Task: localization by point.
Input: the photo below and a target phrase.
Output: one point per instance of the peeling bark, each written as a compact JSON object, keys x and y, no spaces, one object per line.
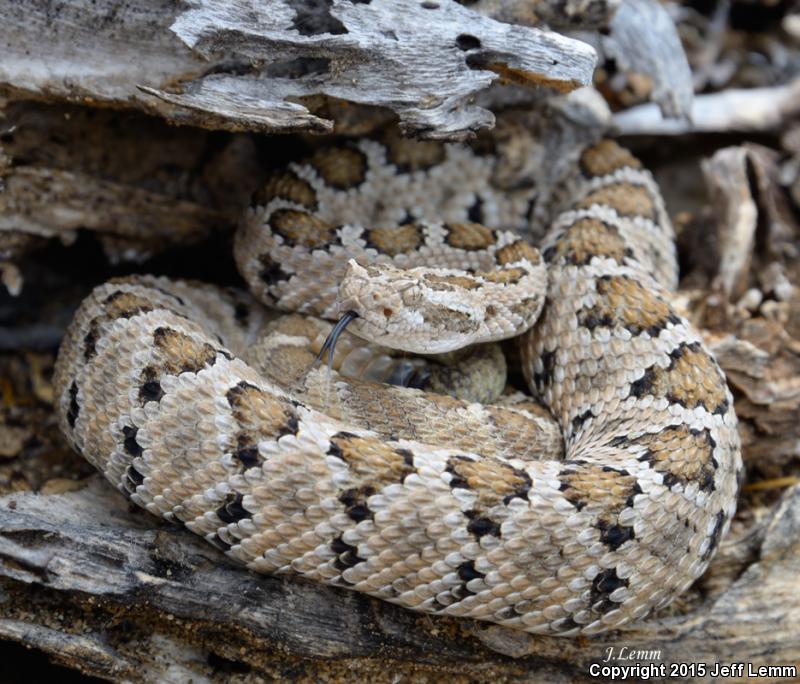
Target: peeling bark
{"x":252,"y":67}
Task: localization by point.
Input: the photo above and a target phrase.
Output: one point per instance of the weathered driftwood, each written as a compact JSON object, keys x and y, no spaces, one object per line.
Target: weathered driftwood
{"x":747,"y":299}
{"x":754,"y":109}
{"x":137,"y":184}
{"x":638,"y":34}
{"x":728,"y":176}
{"x":643,"y":39}
{"x":762,"y":364}
{"x":250,"y":66}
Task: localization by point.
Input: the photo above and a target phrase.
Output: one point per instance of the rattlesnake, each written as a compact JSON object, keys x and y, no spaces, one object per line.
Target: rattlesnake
{"x":427,"y":501}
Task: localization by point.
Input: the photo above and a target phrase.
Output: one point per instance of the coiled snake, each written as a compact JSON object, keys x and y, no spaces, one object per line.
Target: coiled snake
{"x":424,"y":500}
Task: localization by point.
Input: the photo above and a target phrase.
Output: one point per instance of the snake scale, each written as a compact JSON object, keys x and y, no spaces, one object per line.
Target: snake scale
{"x":428,"y":501}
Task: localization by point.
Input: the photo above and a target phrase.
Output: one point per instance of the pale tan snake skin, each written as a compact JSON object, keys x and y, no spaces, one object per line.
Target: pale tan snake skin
{"x":478,"y":519}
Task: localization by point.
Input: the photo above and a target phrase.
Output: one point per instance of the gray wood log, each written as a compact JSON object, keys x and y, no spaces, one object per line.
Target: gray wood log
{"x":643,"y":38}
{"x":639,"y":35}
{"x":253,"y":66}
{"x":732,"y":110}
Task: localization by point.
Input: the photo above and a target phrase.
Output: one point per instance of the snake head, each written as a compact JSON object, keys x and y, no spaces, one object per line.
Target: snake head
{"x":420,"y":310}
{"x":386,"y":299}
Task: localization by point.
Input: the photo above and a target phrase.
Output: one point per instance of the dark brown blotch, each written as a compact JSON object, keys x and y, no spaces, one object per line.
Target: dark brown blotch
{"x":123,"y":304}
{"x":450,"y":283}
{"x":517,"y":251}
{"x":301,"y":228}
{"x":625,"y":302}
{"x":508,"y":275}
{"x":606,"y":157}
{"x":602,"y":488}
{"x":181,"y":353}
{"x":410,"y":155}
{"x":393,"y":241}
{"x":342,"y":168}
{"x":471,"y":237}
{"x":493,"y":481}
{"x":691,"y":379}
{"x":587,"y":238}
{"x":682,"y":455}
{"x":626,"y":199}
{"x":260,"y":415}
{"x":373,"y":463}
{"x":287,"y":185}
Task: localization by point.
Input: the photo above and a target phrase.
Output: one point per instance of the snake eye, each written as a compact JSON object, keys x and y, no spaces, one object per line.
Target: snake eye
{"x":387,"y":312}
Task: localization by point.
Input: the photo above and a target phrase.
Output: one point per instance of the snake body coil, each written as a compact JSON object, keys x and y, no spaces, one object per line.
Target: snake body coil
{"x":426,"y":501}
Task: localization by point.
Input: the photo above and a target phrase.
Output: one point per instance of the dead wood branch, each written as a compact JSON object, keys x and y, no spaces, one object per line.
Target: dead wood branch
{"x":252,"y":67}
{"x":755,"y":109}
{"x":643,"y":39}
